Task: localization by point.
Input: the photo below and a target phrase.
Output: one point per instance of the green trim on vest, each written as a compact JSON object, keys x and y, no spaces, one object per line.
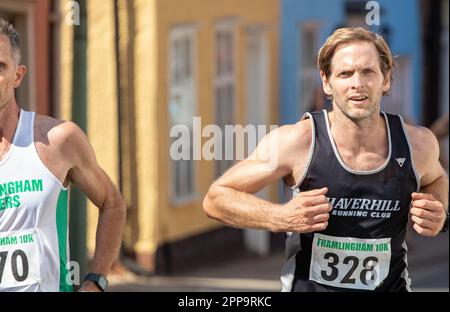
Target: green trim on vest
{"x":61,"y":226}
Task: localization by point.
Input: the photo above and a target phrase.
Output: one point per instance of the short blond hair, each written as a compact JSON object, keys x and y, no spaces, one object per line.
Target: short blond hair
{"x":347,"y":35}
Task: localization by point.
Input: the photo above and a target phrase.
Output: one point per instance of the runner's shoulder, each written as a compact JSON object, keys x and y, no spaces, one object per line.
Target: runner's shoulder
{"x":56,"y":132}
{"x":423,"y":141}
{"x":421,"y":136}
{"x":296,"y":136}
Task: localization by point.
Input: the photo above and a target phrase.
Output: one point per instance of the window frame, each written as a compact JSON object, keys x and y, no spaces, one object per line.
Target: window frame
{"x":180,"y":32}
{"x":223,"y":81}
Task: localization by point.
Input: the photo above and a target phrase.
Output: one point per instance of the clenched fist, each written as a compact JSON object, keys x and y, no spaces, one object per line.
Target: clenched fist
{"x":307,"y":212}
{"x":428,"y":214}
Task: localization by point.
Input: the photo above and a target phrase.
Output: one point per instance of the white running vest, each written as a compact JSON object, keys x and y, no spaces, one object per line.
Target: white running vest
{"x":34,"y":249}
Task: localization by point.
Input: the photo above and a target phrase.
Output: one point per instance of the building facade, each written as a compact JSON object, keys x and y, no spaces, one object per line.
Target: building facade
{"x":130,"y":73}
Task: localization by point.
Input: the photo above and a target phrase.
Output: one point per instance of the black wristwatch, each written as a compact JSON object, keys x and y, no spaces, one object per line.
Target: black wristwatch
{"x":445,"y":228}
{"x":98,"y":279}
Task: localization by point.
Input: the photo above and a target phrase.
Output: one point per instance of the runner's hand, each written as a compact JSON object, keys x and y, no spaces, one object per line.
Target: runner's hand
{"x":307,"y":212}
{"x":428,"y":214}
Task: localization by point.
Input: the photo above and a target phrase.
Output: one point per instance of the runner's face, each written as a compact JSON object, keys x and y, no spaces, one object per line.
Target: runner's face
{"x":10,"y":74}
{"x":356,"y":82}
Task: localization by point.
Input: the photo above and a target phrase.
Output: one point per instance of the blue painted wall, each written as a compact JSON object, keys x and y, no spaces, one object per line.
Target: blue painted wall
{"x":401,"y":16}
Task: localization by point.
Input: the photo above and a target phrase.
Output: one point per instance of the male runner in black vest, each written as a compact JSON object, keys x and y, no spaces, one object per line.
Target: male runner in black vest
{"x":355,"y":174}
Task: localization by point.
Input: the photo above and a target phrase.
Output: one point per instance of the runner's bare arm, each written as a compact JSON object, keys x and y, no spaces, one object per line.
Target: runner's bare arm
{"x":230,"y":198}
{"x":429,"y":205}
{"x":87,"y":175}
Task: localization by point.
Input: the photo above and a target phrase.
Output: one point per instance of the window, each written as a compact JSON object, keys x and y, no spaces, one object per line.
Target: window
{"x":355,"y":12}
{"x":224,"y":90}
{"x":310,"y":91}
{"x":182,"y":106}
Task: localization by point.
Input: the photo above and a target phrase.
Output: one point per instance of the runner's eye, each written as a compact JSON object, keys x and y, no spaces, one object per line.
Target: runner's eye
{"x":345,"y":74}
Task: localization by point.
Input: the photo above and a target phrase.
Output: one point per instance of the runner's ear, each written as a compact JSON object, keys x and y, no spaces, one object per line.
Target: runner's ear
{"x":326,"y":84}
{"x":20,"y":73}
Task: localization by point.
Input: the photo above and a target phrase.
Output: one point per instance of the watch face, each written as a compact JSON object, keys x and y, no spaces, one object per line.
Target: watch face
{"x":102,"y":282}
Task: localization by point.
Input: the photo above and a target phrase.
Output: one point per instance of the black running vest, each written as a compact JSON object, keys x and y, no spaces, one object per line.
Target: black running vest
{"x":363,"y":248}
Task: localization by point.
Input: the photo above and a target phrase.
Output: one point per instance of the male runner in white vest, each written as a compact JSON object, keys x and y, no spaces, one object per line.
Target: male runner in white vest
{"x":355,"y":174}
{"x":40,"y":157}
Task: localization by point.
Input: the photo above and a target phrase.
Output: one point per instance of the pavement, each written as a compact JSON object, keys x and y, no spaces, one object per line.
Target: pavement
{"x":428,"y":260}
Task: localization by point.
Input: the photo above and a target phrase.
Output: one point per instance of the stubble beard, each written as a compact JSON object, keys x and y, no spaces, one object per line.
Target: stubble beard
{"x":4,"y":102}
{"x":356,"y":115}
{"x":3,"y":105}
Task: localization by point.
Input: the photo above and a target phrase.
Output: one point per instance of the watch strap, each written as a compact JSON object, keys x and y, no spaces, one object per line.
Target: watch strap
{"x":98,"y":279}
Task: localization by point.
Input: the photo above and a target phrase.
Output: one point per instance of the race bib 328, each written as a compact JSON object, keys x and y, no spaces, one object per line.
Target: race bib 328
{"x":348,"y":262}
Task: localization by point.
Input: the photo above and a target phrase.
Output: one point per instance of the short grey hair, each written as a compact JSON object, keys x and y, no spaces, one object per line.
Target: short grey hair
{"x":6,"y":28}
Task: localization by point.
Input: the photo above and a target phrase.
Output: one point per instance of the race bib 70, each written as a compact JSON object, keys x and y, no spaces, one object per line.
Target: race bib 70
{"x":19,"y":259}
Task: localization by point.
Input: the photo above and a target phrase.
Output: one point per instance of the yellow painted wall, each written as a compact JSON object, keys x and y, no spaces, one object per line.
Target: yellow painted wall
{"x":102,"y":116}
{"x":182,"y":221}
{"x":126,"y":27}
{"x":146,"y":85}
{"x":154,"y":220}
{"x":102,"y":97}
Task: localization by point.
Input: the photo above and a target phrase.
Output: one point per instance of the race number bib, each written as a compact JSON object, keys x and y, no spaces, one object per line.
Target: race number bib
{"x":349,"y":262}
{"x":19,"y":259}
